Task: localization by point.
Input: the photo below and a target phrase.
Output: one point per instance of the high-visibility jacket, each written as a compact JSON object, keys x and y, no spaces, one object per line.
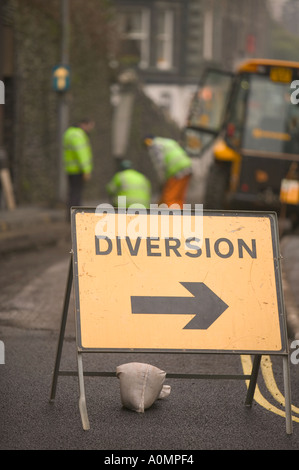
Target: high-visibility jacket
{"x":77,"y":151}
{"x":169,"y":157}
{"x":131,"y":184}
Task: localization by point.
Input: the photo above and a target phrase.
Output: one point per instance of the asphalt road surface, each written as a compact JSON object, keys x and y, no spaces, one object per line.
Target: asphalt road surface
{"x":197,"y":415}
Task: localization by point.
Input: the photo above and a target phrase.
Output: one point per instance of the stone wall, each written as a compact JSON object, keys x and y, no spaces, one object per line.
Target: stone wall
{"x":37,"y":50}
{"x":36,"y":39}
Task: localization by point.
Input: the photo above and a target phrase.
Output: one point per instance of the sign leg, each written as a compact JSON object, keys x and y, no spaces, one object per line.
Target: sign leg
{"x":62,"y":330}
{"x":82,"y":399}
{"x":253,"y":380}
{"x":287,"y":393}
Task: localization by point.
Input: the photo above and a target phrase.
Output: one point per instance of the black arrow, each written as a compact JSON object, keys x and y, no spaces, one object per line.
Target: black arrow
{"x":205,"y":305}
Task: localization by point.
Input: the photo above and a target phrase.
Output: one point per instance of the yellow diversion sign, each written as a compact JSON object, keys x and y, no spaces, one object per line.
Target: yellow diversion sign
{"x":185,"y":282}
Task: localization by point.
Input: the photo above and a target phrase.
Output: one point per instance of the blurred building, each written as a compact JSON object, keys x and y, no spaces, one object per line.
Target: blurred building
{"x":170,"y":42}
{"x":275,"y":8}
{"x":290,"y":16}
{"x":239,"y":30}
{"x":167,"y":42}
{"x":31,"y":118}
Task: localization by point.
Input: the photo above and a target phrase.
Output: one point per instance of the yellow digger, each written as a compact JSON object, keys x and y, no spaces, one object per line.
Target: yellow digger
{"x":249,"y":120}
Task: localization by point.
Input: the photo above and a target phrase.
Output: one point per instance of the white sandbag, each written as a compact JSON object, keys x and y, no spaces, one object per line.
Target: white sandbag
{"x":140,"y":385}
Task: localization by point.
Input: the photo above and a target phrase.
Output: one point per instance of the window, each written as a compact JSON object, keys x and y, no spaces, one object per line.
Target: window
{"x":209,"y":103}
{"x":272,"y":120}
{"x":133,"y":27}
{"x":264,"y":116}
{"x":164,"y":40}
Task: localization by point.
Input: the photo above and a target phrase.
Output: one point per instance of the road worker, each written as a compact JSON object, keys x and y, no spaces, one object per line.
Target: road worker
{"x":173,"y":166}
{"x":131,"y":184}
{"x":77,"y":159}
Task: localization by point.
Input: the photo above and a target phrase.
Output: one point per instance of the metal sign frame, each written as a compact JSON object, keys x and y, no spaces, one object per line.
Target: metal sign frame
{"x":72,"y":283}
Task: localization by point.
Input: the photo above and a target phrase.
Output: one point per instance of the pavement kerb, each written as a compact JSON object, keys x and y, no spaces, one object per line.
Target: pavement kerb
{"x":31,"y":227}
{"x":24,"y":217}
